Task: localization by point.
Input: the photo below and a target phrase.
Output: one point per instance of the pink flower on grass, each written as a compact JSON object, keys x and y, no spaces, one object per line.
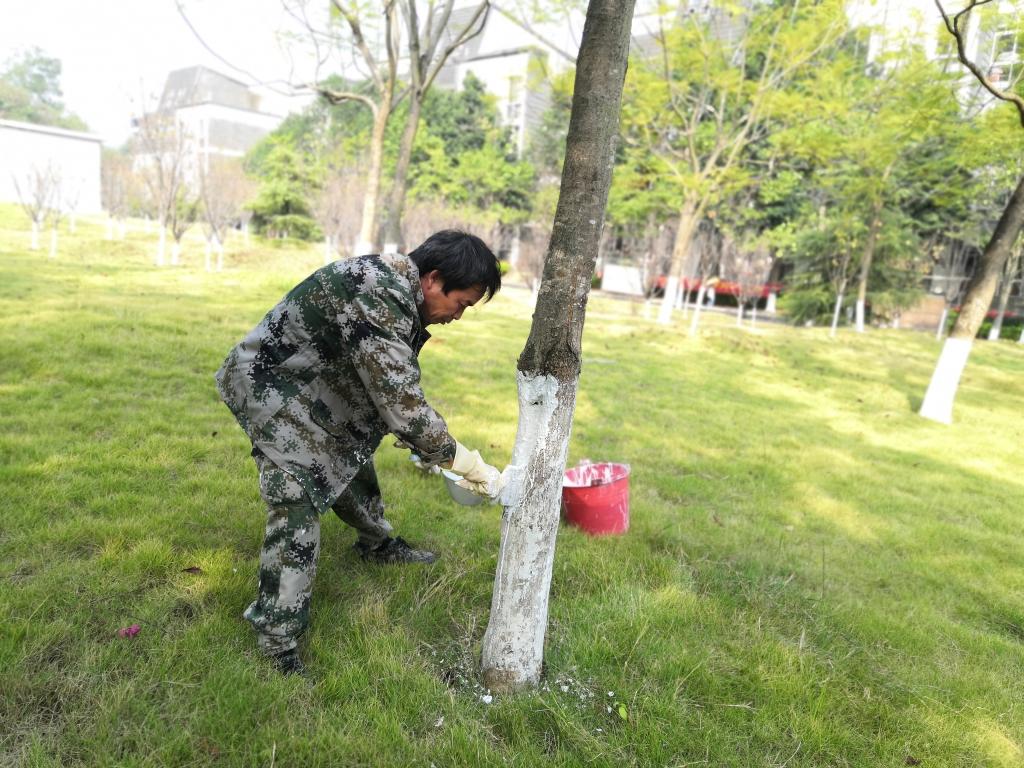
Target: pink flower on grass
{"x":131,"y":631}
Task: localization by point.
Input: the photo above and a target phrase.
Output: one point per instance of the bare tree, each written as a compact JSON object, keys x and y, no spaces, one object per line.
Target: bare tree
{"x":223,"y":190}
{"x":747,"y":269}
{"x":700,"y":262}
{"x":549,"y":366}
{"x":38,"y":191}
{"x":430,"y":44}
{"x":160,"y":153}
{"x":938,"y":400}
{"x":337,"y":212}
{"x":116,"y":180}
{"x":180,"y":219}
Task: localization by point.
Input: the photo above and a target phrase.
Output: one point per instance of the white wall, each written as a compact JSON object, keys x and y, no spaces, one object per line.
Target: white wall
{"x":73,"y":155}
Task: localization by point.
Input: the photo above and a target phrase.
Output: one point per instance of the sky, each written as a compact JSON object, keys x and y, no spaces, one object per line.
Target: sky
{"x":117,"y":53}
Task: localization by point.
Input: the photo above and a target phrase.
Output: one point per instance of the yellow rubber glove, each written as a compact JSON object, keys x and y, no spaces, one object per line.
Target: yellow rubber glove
{"x":477,"y":475}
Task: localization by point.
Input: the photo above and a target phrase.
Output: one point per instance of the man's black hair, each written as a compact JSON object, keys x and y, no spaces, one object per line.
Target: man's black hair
{"x":463,"y":260}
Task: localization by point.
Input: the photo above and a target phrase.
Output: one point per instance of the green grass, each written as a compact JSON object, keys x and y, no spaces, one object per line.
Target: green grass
{"x":813,"y":574}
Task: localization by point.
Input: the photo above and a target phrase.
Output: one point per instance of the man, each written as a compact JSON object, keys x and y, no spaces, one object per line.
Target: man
{"x":318,"y":383}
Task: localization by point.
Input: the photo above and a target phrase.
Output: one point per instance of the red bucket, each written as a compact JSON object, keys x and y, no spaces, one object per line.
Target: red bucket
{"x":596,"y":497}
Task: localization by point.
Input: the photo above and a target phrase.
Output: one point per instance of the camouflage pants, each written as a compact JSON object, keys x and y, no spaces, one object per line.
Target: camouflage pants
{"x":291,"y":545}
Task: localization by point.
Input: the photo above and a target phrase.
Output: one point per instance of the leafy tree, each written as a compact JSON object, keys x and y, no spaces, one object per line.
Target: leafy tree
{"x":282,"y":206}
{"x":30,"y":91}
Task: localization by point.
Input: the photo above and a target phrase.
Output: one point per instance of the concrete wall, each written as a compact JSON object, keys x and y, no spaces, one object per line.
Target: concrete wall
{"x":73,"y":156}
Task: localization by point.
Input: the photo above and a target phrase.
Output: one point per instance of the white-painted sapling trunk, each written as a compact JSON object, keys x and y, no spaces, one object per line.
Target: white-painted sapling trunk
{"x":668,"y":301}
{"x":835,"y":315}
{"x":739,"y":314}
{"x":219,"y":248}
{"x":513,"y":645}
{"x":859,"y":321}
{"x":161,"y":245}
{"x":942,"y":323}
{"x":770,"y":306}
{"x":695,"y":320}
{"x":938,"y":400}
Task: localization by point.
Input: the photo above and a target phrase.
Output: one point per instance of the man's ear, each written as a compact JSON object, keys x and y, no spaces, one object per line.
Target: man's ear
{"x":433,"y":279}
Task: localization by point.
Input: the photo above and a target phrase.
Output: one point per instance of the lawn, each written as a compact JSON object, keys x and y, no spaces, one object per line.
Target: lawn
{"x":813,"y":575}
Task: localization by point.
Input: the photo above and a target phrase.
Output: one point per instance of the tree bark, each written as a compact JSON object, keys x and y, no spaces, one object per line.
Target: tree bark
{"x":368,"y":230}
{"x":938,"y":399}
{"x":393,"y":240}
{"x":549,"y":366}
{"x":688,"y":219}
{"x":865,"y":265}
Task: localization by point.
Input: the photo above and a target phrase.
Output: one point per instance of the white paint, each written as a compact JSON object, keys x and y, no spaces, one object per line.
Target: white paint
{"x":1021,"y":339}
{"x":770,"y":305}
{"x":739,"y":314}
{"x":942,"y":323}
{"x":668,"y":301}
{"x":161,"y":246}
{"x":938,"y":400}
{"x":513,"y":645}
{"x":695,"y":320}
{"x":859,"y":322}
{"x":835,"y":315}
{"x":35,"y":235}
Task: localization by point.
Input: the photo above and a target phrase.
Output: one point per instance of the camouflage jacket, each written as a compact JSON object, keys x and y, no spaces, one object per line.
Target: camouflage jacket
{"x":332,"y":369}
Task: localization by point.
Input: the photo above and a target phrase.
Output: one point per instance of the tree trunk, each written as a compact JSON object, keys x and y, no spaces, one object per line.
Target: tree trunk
{"x":549,"y":367}
{"x":769,"y":307}
{"x":938,"y":399}
{"x":175,"y":253}
{"x":393,"y":240}
{"x":220,"y":255}
{"x":835,"y":315}
{"x":208,"y":254}
{"x":739,"y":313}
{"x":942,"y":323}
{"x":865,"y":266}
{"x":688,"y":216}
{"x":697,"y":307}
{"x":1004,"y":296}
{"x":161,"y":246}
{"x":368,"y":229}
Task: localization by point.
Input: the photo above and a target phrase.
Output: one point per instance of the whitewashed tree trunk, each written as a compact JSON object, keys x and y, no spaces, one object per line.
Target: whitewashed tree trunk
{"x":668,"y":300}
{"x":122,"y":228}
{"x":327,"y":250}
{"x":1021,"y":339}
{"x":859,"y":316}
{"x":161,"y":245}
{"x":35,"y":236}
{"x":739,"y":314}
{"x":938,"y":400}
{"x":942,"y":323}
{"x":835,"y":315}
{"x":770,"y":305}
{"x":549,"y":367}
{"x":513,"y":645}
{"x":219,"y":247}
{"x":175,"y":253}
{"x":695,"y":320}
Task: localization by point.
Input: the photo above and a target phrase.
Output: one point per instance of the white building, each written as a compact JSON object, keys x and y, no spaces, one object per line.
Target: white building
{"x":73,"y":157}
{"x":217,"y":115}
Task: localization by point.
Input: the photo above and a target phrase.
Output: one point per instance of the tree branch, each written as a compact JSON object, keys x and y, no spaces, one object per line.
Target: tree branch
{"x":955,"y":27}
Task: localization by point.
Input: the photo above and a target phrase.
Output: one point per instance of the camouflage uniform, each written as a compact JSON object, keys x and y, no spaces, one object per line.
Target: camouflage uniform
{"x":316,"y":385}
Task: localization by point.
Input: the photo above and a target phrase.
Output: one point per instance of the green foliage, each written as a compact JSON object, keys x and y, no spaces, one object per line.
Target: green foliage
{"x":30,"y":91}
{"x":287,"y":181}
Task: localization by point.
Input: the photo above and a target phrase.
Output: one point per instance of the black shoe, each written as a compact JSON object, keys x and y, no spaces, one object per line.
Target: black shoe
{"x":394,"y":550}
{"x":289,"y":663}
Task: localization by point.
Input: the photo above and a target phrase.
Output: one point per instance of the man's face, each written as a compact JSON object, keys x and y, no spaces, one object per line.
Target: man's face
{"x":441,"y":307}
